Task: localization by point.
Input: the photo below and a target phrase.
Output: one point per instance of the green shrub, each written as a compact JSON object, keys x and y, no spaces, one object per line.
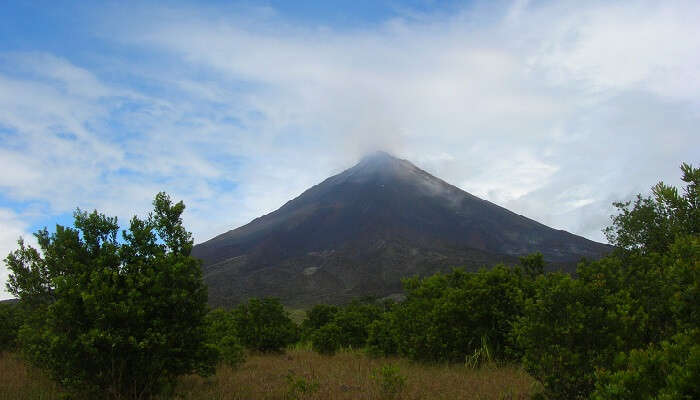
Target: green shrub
{"x":652,"y":224}
{"x":354,"y":321}
{"x":298,"y":387}
{"x":609,"y":322}
{"x":264,"y":325}
{"x":222,"y":335}
{"x":231,"y":351}
{"x":668,"y":371}
{"x":566,"y":331}
{"x":327,"y":339}
{"x":446,"y":316}
{"x":573,"y":327}
{"x":10,"y":322}
{"x":382,"y":339}
{"x":319,"y":315}
{"x":331,"y":328}
{"x":391,"y":382}
{"x":114,"y":318}
{"x":684,"y":277}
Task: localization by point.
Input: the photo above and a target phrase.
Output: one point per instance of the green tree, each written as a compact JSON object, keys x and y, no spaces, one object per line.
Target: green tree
{"x":354,"y":320}
{"x":651,"y":224}
{"x":667,"y":371}
{"x":383,"y":338}
{"x":331,"y":327}
{"x":666,"y":329}
{"x":574,"y":328}
{"x":319,"y":315}
{"x":566,"y":331}
{"x":327,"y":339}
{"x":610,"y":328}
{"x":533,"y":265}
{"x":447,"y":317}
{"x":10,"y":321}
{"x":114,"y":318}
{"x":222,"y":335}
{"x":264,"y":325}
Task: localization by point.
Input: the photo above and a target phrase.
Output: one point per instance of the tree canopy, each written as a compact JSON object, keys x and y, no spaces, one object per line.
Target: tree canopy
{"x":114,"y":317}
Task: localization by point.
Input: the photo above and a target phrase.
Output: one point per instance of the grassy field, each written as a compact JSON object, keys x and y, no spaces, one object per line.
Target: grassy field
{"x":303,"y":374}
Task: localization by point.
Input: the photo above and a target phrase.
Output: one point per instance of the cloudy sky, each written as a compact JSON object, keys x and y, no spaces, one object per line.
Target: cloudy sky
{"x":551,"y":109}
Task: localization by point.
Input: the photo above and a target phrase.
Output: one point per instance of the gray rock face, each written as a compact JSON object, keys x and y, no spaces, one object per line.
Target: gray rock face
{"x":359,"y":232}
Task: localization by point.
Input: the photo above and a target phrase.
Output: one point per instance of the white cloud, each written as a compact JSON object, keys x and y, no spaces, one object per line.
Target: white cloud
{"x":644,"y":45}
{"x":597,"y":95}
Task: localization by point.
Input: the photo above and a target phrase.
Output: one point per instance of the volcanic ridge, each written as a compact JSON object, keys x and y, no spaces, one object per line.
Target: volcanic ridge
{"x":359,"y":232}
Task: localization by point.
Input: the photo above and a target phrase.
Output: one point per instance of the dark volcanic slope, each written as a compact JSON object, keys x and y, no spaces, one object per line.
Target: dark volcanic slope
{"x":359,"y":232}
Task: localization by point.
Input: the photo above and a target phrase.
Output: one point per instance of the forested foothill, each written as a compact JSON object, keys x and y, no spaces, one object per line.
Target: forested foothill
{"x":124,"y":318}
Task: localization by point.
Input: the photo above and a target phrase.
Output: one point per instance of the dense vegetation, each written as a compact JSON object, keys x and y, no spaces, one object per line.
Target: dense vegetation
{"x":626,"y":326}
{"x":108,"y":317}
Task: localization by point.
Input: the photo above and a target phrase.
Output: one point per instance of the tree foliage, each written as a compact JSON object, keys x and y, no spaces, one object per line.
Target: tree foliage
{"x":109,"y":317}
{"x":318,"y":316}
{"x":566,"y":330}
{"x":651,"y":224}
{"x":10,"y":322}
{"x":264,"y":325}
{"x":611,"y":328}
{"x":666,"y":371}
{"x":222,"y":334}
{"x":331,"y":328}
{"x":447,"y":317}
{"x":327,"y":339}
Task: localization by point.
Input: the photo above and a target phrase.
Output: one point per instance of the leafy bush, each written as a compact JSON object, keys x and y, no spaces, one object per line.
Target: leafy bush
{"x":331,"y":328}
{"x":298,"y":387}
{"x":566,"y":331}
{"x":10,"y":321}
{"x":327,"y":339}
{"x":319,"y":315}
{"x":684,"y":279}
{"x":574,"y":327}
{"x":666,"y":368}
{"x":668,"y":371}
{"x":354,"y":320}
{"x":264,"y":325}
{"x":114,"y":318}
{"x":446,"y":316}
{"x":222,"y":335}
{"x":231,"y":352}
{"x":382,"y":339}
{"x":391,"y":382}
{"x":651,"y":224}
{"x":614,"y":321}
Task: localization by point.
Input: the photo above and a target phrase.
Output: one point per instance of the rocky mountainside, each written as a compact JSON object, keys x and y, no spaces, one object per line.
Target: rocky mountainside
{"x":359,"y":232}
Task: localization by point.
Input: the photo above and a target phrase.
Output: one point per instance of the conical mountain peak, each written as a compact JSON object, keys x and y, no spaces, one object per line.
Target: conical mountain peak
{"x":381,"y":160}
{"x":359,"y":232}
{"x":377,"y":156}
{"x":382,"y":167}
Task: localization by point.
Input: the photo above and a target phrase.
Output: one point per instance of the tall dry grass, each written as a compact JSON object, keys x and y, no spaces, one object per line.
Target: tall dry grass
{"x":346,"y":375}
{"x":352,"y":375}
{"x":18,"y":380}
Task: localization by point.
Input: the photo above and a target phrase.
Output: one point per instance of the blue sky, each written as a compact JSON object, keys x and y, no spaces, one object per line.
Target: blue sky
{"x":551,"y":109}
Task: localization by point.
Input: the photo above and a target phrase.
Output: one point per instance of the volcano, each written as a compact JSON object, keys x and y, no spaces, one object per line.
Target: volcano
{"x":359,"y":232}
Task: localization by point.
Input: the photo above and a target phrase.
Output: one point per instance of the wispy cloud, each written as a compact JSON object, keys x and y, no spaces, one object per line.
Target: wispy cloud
{"x":550,"y":109}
